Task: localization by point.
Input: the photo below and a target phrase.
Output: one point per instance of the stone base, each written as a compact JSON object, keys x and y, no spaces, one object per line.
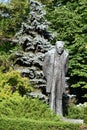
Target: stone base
{"x":76,"y":121}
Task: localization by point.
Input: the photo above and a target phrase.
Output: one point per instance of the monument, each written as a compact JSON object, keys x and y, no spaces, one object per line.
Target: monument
{"x":35,"y":40}
{"x":55,"y":67}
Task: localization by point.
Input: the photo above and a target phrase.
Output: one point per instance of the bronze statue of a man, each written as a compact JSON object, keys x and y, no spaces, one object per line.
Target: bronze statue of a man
{"x":55,"y":68}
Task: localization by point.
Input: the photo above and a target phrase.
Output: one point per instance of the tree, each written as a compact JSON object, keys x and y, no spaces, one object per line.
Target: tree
{"x":12,"y":15}
{"x":69,"y":20}
{"x":45,"y":1}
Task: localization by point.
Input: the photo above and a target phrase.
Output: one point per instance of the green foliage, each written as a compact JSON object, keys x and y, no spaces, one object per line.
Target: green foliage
{"x":16,"y":106}
{"x":12,"y":81}
{"x":69,"y":20}
{"x":7,"y":54}
{"x":45,"y":1}
{"x":78,"y":111}
{"x":23,"y":124}
{"x":22,"y":113}
{"x":12,"y":15}
{"x":6,"y":50}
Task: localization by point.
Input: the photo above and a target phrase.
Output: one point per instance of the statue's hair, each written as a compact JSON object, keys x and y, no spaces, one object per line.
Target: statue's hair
{"x":59,"y":42}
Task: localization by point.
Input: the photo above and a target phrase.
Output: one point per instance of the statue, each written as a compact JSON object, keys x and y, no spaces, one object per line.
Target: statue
{"x":55,"y":68}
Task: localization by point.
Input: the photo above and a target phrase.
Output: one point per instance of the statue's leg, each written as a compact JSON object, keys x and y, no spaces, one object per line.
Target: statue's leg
{"x":59,"y":107}
{"x":58,"y":103}
{"x":52,"y":97}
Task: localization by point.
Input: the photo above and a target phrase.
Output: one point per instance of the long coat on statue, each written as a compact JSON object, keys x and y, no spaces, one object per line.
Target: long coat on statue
{"x":54,"y":68}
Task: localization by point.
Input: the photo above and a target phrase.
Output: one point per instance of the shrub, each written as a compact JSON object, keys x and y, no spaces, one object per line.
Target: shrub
{"x":12,"y":81}
{"x":78,"y":112}
{"x":23,"y":124}
{"x":7,"y":49}
{"x":15,"y":106}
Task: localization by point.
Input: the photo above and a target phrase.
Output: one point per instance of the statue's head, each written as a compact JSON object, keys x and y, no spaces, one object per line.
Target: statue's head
{"x":59,"y":47}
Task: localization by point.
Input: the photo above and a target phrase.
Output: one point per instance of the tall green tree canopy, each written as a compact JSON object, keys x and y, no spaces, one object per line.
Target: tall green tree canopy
{"x":12,"y":15}
{"x":69,"y":20}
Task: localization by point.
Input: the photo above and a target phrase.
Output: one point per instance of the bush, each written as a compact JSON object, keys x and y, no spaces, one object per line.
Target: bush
{"x":78,"y":112}
{"x":7,"y":49}
{"x":15,"y":106}
{"x":23,"y":124}
{"x":22,"y":113}
{"x":12,"y":81}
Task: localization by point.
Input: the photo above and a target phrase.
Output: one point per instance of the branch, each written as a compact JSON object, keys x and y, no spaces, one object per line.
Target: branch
{"x":5,"y":39}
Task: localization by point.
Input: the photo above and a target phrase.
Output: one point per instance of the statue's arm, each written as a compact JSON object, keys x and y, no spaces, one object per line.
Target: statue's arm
{"x":67,"y":61}
{"x":48,"y":69}
{"x":46,"y":65}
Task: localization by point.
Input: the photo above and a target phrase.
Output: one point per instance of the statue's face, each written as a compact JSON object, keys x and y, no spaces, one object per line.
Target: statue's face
{"x":59,"y":47}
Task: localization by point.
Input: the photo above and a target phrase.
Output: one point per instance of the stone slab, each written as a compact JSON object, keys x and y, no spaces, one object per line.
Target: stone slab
{"x":76,"y":121}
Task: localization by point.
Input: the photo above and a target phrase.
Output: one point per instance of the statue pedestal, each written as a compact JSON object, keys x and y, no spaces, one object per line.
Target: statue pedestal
{"x":76,"y":121}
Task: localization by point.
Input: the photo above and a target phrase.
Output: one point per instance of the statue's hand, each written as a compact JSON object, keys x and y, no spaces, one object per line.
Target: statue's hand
{"x":48,"y":100}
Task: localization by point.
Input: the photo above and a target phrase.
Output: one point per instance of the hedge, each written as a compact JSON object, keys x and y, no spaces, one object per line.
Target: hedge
{"x":28,"y":124}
